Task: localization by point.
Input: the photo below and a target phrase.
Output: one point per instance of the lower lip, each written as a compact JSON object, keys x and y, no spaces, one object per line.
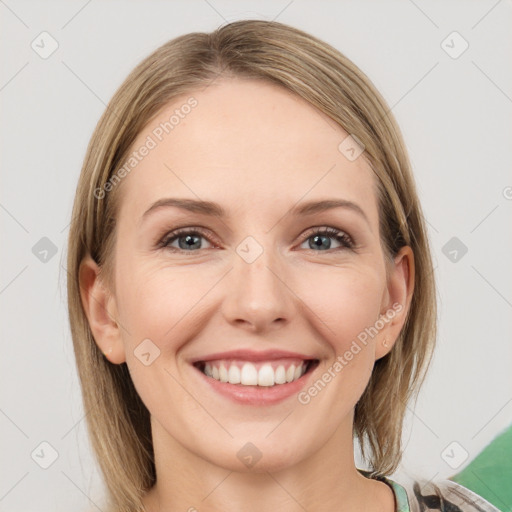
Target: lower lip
{"x":257,"y":395}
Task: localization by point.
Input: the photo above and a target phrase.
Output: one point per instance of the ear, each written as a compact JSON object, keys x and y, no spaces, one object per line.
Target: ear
{"x":100,"y":309}
{"x":396,"y":301}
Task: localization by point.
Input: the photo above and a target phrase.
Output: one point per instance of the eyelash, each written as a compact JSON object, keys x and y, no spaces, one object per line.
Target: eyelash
{"x":343,"y":238}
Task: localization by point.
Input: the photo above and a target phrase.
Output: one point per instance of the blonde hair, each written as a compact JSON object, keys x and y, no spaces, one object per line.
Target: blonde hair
{"x":118,"y":421}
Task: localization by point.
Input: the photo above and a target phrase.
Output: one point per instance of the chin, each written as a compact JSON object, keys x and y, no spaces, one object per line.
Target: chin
{"x":257,"y":457}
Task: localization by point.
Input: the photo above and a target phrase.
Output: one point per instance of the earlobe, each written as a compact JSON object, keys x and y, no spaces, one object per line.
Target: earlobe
{"x":400,"y":289}
{"x":100,"y":308}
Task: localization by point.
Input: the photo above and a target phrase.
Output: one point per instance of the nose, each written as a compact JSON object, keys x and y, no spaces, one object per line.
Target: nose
{"x":257,"y":295}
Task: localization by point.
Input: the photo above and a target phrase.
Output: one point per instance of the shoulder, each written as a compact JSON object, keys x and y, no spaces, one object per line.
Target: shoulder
{"x":445,"y":496}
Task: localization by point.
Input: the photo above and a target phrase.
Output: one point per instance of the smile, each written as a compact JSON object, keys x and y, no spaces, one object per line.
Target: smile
{"x":249,"y":373}
{"x":257,"y":378}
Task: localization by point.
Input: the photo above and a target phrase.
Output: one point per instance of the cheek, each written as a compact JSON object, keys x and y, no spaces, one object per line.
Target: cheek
{"x":160,"y":305}
{"x":175,"y":306}
{"x":347,"y":304}
{"x":169,"y":305}
{"x":345,"y":301}
{"x":164,"y":307}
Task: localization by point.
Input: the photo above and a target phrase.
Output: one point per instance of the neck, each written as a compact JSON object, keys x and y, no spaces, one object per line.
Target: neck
{"x":325,"y":480}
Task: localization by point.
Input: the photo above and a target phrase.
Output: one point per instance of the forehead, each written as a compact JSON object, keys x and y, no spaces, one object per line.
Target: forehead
{"x":248,"y":145}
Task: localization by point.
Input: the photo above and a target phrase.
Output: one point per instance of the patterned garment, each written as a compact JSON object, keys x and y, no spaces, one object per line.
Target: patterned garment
{"x":445,"y":496}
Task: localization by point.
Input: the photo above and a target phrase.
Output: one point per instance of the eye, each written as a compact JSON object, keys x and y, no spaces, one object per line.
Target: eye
{"x":187,"y":239}
{"x":319,"y":238}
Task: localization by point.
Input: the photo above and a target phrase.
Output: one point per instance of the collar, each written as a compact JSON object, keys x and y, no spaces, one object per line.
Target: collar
{"x":401,"y":499}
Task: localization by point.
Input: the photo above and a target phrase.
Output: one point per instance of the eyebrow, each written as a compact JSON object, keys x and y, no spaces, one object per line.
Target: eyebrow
{"x":214,"y":209}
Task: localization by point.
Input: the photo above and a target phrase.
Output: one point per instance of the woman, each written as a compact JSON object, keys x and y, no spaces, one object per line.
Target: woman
{"x":250,"y":282}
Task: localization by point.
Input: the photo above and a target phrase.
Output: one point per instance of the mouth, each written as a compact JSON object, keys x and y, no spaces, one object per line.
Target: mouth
{"x":261,"y":374}
{"x":256,"y":378}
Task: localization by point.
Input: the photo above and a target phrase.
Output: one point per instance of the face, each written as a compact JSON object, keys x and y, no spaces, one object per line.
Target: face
{"x":262,"y":290}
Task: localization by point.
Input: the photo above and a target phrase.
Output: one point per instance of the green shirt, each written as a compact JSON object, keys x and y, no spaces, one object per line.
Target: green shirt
{"x":443,"y":495}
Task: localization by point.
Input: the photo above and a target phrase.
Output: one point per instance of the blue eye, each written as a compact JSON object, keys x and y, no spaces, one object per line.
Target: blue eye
{"x":321,"y":239}
{"x":189,"y":240}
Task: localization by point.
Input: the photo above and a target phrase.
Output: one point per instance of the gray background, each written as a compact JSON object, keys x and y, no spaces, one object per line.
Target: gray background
{"x":455,"y":114}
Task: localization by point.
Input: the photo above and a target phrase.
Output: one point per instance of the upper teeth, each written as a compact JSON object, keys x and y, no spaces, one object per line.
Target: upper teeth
{"x":249,"y":375}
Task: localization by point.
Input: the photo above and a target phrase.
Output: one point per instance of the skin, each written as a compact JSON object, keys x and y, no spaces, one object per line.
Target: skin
{"x":257,"y":150}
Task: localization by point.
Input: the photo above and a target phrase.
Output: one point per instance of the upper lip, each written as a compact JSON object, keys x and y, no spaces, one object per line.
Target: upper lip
{"x":252,"y":355}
